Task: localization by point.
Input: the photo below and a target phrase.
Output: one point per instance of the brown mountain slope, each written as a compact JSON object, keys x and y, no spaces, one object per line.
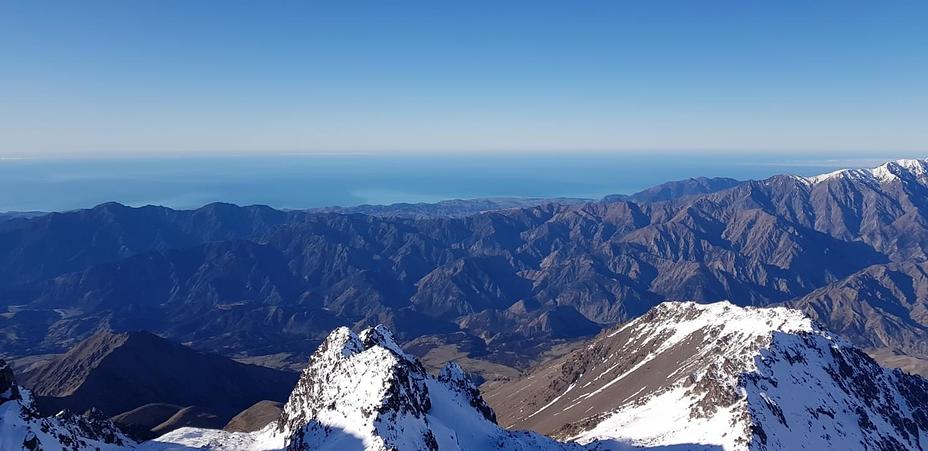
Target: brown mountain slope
{"x":881,"y":307}
{"x":116,"y":373}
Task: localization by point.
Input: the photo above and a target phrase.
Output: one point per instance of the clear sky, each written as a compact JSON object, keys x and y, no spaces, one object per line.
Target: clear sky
{"x":134,"y":77}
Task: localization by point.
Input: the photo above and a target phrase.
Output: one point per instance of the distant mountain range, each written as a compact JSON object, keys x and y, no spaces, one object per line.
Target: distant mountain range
{"x":8,"y":215}
{"x":459,"y":208}
{"x":502,"y":287}
{"x":456,"y":208}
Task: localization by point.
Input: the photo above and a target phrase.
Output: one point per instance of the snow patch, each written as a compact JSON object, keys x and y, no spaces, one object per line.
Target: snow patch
{"x":885,"y":173}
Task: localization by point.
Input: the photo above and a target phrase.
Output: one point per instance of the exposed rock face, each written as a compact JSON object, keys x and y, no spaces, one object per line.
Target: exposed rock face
{"x":9,"y":391}
{"x":722,"y":375}
{"x":454,"y":377}
{"x":23,"y":428}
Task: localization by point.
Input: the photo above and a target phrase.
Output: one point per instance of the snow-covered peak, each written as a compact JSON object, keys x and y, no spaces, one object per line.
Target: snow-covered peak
{"x":685,"y":317}
{"x":351,"y":394}
{"x":719,"y":376}
{"x":379,"y":335}
{"x":452,"y":372}
{"x":341,"y":342}
{"x":885,"y":173}
{"x":344,"y":343}
{"x":913,"y":165}
{"x":364,"y":392}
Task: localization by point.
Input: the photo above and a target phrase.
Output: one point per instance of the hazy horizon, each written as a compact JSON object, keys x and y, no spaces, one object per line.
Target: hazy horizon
{"x":322,"y":180}
{"x":301,"y":105}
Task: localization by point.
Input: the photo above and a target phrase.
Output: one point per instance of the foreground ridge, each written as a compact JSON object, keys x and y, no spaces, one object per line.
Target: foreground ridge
{"x":683,"y":376}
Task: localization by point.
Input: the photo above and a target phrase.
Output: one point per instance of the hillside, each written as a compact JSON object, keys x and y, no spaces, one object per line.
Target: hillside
{"x":117,"y":373}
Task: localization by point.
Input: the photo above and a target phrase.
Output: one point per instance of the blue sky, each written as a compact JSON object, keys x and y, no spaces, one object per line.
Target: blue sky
{"x":160,"y":77}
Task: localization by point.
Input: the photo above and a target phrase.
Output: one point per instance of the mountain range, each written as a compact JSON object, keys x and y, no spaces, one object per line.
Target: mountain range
{"x":504,"y":288}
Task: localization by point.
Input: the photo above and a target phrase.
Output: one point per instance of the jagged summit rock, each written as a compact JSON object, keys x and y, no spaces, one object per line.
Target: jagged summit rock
{"x":362,"y":386}
{"x":454,"y":376}
{"x":362,"y":391}
{"x":380,"y":336}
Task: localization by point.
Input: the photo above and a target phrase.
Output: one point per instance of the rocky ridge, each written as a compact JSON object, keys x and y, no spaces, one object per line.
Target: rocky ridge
{"x":684,"y":375}
{"x":722,"y":376}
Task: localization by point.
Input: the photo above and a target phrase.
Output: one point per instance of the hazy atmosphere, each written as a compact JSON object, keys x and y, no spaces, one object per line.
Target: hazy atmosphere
{"x":343,"y":178}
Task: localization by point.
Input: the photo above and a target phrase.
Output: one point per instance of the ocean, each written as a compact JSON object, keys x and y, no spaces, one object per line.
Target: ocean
{"x":317,"y":180}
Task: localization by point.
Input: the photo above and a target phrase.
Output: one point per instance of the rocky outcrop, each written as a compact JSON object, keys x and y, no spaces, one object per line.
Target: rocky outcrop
{"x":9,"y":391}
{"x":364,"y":385}
{"x":455,"y":378}
{"x":22,"y":427}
